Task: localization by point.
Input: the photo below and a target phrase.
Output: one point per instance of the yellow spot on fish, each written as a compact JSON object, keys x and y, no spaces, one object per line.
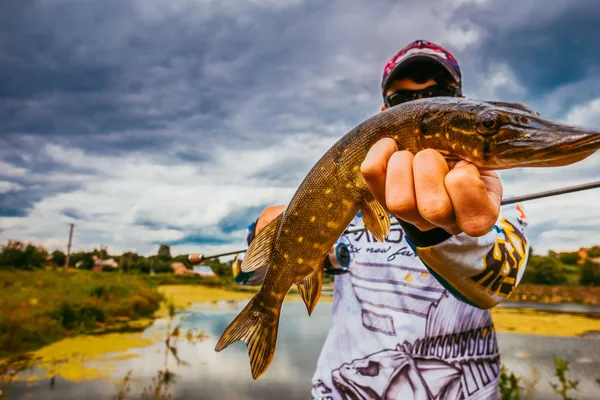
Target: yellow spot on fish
{"x":475,"y":152}
{"x":346,"y":203}
{"x":300,"y":239}
{"x":295,"y":214}
{"x":300,"y":261}
{"x":349,"y":185}
{"x":409,"y":278}
{"x":286,"y":256}
{"x":416,"y":131}
{"x":356,"y":168}
{"x":313,"y":218}
{"x":447,"y":136}
{"x":316,"y":245}
{"x":329,"y":205}
{"x":327,"y":191}
{"x":286,"y":230}
{"x":425,"y":275}
{"x":395,"y":137}
{"x":332,"y":224}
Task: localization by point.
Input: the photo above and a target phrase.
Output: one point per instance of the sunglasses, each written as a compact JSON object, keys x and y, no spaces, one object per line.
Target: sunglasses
{"x":402,"y":96}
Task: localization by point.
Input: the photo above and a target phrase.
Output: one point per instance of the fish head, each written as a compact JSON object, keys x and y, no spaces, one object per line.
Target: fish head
{"x":499,"y":135}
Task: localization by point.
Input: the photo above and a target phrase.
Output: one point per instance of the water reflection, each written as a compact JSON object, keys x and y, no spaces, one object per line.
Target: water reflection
{"x":203,"y":374}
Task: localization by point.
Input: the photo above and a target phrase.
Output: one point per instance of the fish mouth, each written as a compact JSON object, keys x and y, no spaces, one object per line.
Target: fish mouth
{"x":542,"y":144}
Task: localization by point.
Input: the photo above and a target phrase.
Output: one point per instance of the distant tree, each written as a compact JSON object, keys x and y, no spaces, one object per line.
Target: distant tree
{"x":221,"y":269}
{"x":590,"y":274}
{"x":59,"y":258}
{"x":16,"y":254}
{"x":594,"y":251}
{"x":569,"y":258}
{"x":546,"y":270}
{"x":164,"y":252}
{"x":159,"y":265}
{"x":102,"y":253}
{"x":82,"y":258}
{"x":184,"y":260}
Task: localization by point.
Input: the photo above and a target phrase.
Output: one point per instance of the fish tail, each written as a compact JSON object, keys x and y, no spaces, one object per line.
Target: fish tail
{"x":258,"y":330}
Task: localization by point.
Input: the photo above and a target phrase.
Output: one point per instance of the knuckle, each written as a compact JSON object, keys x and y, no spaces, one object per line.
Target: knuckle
{"x":436,"y":212}
{"x":370,"y":168}
{"x":403,"y":209}
{"x":427,"y":155}
{"x":461,"y":177}
{"x":477,"y":226}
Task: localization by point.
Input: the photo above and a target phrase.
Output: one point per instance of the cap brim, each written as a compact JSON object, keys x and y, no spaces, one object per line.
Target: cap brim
{"x":421,"y":57}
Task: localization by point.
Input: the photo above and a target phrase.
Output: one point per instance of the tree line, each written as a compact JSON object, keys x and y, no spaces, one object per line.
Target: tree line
{"x":26,"y":256}
{"x":551,"y":269}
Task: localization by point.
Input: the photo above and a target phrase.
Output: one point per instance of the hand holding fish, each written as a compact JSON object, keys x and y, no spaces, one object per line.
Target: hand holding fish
{"x":363,"y":171}
{"x":422,"y":190}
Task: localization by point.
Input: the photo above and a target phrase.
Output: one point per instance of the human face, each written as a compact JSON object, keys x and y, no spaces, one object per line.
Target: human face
{"x":406,"y":84}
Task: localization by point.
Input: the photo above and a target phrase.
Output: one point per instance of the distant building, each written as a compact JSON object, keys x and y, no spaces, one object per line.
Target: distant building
{"x":584,"y":256}
{"x":100,"y":264}
{"x":180,"y":269}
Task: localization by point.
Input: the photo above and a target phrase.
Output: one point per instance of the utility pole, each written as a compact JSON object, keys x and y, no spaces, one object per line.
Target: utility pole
{"x":69,"y":250}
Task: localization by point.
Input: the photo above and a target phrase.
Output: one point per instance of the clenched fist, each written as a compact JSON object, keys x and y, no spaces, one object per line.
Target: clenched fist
{"x":422,"y":190}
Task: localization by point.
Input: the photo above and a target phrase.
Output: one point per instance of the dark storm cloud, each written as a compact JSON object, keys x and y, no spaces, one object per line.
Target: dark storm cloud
{"x":197,"y":239}
{"x":240,"y":219}
{"x":173,"y":82}
{"x":18,"y":203}
{"x":148,"y":223}
{"x":546,"y":44}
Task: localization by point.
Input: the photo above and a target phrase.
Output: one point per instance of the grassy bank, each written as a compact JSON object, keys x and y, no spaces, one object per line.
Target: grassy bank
{"x":38,"y":308}
{"x":555,"y":294}
{"x":525,"y":292}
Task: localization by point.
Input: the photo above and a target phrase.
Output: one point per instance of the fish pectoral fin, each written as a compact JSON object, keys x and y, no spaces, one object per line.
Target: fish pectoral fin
{"x":259,"y":251}
{"x":258,"y":330}
{"x":376,"y":219}
{"x":310,"y":289}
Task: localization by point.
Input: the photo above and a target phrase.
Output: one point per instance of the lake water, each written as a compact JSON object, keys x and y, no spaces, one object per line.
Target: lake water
{"x":226,"y":375}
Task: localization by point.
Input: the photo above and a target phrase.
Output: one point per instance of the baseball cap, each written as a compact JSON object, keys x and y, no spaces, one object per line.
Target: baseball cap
{"x":421,"y":50}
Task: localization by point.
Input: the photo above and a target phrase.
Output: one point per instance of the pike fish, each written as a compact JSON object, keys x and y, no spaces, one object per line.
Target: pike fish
{"x":491,"y":135}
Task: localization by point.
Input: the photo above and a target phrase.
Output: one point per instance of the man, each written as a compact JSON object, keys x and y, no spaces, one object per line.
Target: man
{"x":411,"y":315}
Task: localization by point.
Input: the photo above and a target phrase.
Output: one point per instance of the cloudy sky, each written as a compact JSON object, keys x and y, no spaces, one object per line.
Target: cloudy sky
{"x":148,"y":121}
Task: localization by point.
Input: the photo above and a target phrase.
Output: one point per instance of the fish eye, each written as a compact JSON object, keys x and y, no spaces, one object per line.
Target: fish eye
{"x":487,"y":123}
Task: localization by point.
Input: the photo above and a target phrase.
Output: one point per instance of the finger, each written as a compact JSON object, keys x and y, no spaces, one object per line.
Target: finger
{"x":374,"y":167}
{"x":433,"y":202}
{"x":475,"y":197}
{"x":400,"y":196}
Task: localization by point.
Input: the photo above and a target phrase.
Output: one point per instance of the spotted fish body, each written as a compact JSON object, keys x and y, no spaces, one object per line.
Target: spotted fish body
{"x":492,"y":135}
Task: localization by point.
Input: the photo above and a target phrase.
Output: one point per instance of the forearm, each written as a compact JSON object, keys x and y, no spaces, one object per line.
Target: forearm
{"x":482,"y":271}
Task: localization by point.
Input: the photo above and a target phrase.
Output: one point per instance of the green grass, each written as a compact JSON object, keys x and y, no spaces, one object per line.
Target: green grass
{"x":572,"y":273}
{"x":40,"y":307}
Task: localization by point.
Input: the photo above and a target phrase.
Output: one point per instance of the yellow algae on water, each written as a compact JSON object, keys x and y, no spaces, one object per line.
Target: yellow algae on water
{"x":185,"y":295}
{"x":77,"y":358}
{"x":528,"y":321}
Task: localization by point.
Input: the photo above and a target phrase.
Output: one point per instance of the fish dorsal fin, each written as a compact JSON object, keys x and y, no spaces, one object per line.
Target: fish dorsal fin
{"x":514,"y":106}
{"x":310,"y":289}
{"x":376,"y":219}
{"x":260,"y":249}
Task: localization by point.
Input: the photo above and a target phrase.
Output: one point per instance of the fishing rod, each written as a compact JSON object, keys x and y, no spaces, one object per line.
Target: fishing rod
{"x":198,"y":258}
